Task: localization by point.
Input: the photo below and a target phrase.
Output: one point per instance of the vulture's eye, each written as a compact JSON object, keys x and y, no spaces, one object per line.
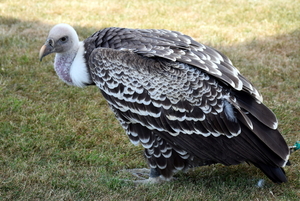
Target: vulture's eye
{"x":64,"y":39}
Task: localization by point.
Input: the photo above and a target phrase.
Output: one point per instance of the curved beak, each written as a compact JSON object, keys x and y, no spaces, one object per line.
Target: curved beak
{"x":46,"y":49}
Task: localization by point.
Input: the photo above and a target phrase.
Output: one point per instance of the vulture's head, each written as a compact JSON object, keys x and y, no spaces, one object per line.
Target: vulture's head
{"x":62,"y":38}
{"x":69,"y":62}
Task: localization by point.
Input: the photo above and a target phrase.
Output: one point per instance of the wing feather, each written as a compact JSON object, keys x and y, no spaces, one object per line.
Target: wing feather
{"x":175,"y":46}
{"x":157,"y":100}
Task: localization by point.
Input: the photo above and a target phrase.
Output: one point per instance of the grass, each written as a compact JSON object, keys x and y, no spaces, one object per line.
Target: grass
{"x":62,"y":143}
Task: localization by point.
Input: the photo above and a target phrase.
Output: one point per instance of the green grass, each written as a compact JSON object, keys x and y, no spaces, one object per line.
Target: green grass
{"x":62,"y":143}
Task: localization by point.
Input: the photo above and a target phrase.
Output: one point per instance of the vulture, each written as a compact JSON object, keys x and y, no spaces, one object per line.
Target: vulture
{"x":183,"y":101}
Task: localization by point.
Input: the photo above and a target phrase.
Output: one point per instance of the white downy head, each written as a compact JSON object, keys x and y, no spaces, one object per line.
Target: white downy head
{"x":69,"y":62}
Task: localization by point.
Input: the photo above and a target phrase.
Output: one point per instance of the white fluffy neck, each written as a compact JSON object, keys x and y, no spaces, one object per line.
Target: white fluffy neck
{"x":71,"y":67}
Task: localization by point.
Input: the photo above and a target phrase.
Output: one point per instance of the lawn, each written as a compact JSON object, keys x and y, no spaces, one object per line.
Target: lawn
{"x":63,"y":143}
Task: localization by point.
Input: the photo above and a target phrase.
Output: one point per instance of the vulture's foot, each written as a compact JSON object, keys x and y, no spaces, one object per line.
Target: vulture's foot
{"x":145,"y":176}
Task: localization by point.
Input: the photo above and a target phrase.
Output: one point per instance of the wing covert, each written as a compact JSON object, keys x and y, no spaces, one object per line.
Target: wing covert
{"x":163,"y":95}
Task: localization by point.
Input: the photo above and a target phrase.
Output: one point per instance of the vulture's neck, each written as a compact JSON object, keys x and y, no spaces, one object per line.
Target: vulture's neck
{"x":71,"y":66}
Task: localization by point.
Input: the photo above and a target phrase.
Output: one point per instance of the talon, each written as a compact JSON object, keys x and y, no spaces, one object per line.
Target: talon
{"x":141,"y":173}
{"x":143,"y":176}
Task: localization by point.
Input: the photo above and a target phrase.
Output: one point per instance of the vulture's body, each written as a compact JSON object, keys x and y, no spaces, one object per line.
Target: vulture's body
{"x":184,"y":102}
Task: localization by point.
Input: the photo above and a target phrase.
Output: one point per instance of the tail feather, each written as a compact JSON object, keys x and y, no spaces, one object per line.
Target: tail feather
{"x":276,"y":174}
